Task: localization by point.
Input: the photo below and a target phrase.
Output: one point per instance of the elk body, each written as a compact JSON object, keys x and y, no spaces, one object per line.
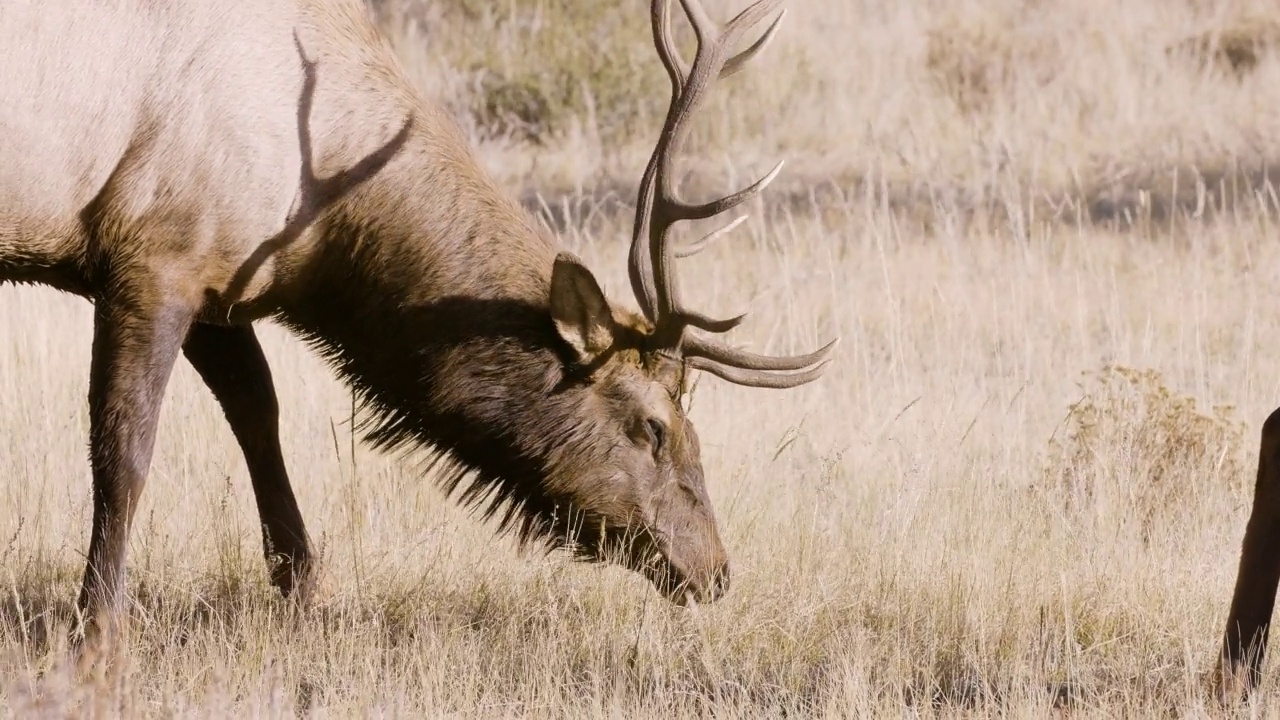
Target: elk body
{"x":194,"y":167}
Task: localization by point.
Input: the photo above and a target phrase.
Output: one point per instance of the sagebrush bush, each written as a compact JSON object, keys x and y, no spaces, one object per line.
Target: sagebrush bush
{"x":974,"y":58}
{"x":1236,"y":48}
{"x":1133,"y":449}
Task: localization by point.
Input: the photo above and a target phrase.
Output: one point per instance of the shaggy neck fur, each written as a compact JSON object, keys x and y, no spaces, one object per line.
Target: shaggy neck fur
{"x":430,"y":298}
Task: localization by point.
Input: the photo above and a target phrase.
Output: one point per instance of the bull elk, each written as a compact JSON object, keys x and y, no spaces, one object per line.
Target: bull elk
{"x":165,"y":160}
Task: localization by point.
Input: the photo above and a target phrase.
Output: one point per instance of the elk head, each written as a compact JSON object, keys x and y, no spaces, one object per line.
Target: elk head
{"x":632,"y":467}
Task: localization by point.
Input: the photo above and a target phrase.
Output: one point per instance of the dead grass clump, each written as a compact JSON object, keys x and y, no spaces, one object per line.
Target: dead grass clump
{"x":536,"y":68}
{"x":1133,"y":449}
{"x":974,"y":58}
{"x":1235,"y":49}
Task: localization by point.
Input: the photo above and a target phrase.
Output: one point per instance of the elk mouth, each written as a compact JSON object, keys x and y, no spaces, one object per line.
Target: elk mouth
{"x":681,"y":587}
{"x":652,"y":555}
{"x":668,"y":578}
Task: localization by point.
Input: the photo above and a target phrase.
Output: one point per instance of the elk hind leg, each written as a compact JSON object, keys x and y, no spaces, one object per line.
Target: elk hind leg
{"x":231,"y":363}
{"x":1244,"y":642}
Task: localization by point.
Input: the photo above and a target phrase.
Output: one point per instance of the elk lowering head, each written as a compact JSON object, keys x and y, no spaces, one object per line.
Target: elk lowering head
{"x":159,"y":178}
{"x":629,"y":464}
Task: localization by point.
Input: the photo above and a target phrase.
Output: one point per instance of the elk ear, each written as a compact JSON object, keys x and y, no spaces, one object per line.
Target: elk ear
{"x":579,"y":309}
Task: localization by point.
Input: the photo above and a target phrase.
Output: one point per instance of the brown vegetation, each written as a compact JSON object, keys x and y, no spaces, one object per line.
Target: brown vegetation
{"x":1235,"y":49}
{"x":1156,"y":441}
{"x":975,"y":57}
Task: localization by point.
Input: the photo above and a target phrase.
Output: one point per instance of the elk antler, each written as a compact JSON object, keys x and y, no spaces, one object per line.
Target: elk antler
{"x":658,"y":208}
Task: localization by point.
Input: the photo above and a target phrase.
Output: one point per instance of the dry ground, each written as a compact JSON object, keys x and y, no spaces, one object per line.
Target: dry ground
{"x":1050,"y":245}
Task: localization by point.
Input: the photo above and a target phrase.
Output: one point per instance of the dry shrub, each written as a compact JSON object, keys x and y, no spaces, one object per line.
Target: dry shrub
{"x":538,"y":66}
{"x":974,"y":57}
{"x":1135,"y":450}
{"x":1235,"y":49}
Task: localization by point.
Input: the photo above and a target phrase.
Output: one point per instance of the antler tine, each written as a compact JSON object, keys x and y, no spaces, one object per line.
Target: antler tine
{"x":733,"y":64}
{"x":747,"y":19}
{"x":694,"y":248}
{"x":703,"y":322}
{"x":684,"y":211}
{"x":759,"y":378}
{"x":737,"y":62}
{"x":658,"y":206}
{"x":644,"y":281}
{"x":667,"y":208}
{"x":741,"y":359}
{"x":665,"y":41}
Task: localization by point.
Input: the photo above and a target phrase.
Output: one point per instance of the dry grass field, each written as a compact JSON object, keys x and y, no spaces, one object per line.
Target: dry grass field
{"x":1048,"y":234}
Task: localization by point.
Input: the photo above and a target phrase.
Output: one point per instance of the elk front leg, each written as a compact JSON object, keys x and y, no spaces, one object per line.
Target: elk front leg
{"x":135,"y":344}
{"x":232,"y":365}
{"x":1248,"y":621}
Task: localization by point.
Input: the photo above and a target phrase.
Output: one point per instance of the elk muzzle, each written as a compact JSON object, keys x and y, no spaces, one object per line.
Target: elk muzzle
{"x":694,"y":573}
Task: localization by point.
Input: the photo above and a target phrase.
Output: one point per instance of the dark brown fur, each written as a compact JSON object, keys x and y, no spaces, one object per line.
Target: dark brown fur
{"x":1244,"y":642}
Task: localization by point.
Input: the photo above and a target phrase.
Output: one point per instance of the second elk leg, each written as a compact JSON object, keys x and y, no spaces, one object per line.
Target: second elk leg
{"x":1254,"y":598}
{"x":231,"y":363}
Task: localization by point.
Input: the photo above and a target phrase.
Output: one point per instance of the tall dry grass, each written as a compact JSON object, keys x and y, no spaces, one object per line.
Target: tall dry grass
{"x":1047,"y":234}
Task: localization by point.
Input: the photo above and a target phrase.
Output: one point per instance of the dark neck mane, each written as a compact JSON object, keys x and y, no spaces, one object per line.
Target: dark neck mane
{"x":435,"y":313}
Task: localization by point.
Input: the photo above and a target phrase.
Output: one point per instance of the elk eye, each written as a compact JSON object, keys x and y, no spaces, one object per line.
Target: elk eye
{"x":657,"y":434}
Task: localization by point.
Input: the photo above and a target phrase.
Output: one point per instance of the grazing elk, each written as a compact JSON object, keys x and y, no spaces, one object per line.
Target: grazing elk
{"x":1244,"y":642}
{"x":162,"y":158}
